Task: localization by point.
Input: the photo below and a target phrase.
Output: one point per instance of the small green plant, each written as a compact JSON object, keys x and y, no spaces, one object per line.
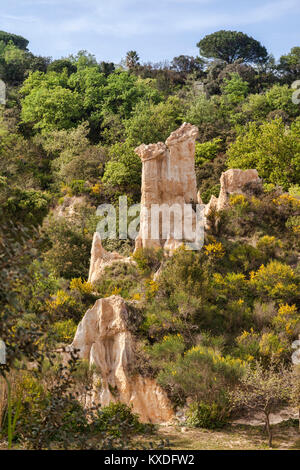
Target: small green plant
{"x":63,"y":331}
{"x":12,"y":414}
{"x":147,"y":259}
{"x":207,"y":415}
{"x":115,"y":418}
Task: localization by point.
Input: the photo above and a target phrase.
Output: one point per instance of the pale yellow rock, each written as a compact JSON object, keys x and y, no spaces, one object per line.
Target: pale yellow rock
{"x":69,"y":206}
{"x":103,"y":338}
{"x":232,"y":182}
{"x":168,"y":178}
{"x":100,"y":259}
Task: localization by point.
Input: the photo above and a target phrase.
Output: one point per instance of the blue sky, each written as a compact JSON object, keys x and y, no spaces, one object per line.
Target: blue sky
{"x":157,"y":29}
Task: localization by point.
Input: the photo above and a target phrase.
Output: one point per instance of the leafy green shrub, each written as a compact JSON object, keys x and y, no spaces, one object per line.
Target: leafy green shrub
{"x":29,"y":206}
{"x":68,"y":243}
{"x":208,"y":193}
{"x":119,"y":279}
{"x":269,"y":246}
{"x":169,"y":349}
{"x":202,"y":374}
{"x":123,"y":170}
{"x":78,"y":187}
{"x":271,"y":148}
{"x":207,"y":150}
{"x":147,"y":259}
{"x":115,"y":417}
{"x":209,"y":416}
{"x":154,"y":122}
{"x":63,"y":331}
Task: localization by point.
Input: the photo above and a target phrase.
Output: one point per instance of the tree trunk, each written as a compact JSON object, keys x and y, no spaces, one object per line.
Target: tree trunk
{"x":268,"y":427}
{"x":299,"y":418}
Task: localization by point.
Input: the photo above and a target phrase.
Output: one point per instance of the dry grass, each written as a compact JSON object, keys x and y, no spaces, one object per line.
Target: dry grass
{"x":238,"y":437}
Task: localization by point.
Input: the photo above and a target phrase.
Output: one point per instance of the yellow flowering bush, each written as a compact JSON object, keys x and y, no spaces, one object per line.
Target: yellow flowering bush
{"x":288,"y":319}
{"x":63,"y":331}
{"x":253,"y":346}
{"x":151,"y":288}
{"x":276,"y":280}
{"x":268,"y":243}
{"x":255,"y":202}
{"x":286,"y":200}
{"x":214,"y":249}
{"x":248,"y":345}
{"x":293,"y":224}
{"x":115,"y":291}
{"x":64,"y":306}
{"x":96,"y":189}
{"x":238,"y":200}
{"x":61,"y":299}
{"x":83,"y":287}
{"x":137,"y":296}
{"x":273,"y":347}
{"x":231,"y":285}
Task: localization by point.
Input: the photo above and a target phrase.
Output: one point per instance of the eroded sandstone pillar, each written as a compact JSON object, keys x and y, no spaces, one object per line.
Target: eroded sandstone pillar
{"x":169,"y":181}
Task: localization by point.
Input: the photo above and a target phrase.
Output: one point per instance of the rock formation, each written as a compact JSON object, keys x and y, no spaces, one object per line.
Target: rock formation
{"x":100,"y":259}
{"x":70,"y":205}
{"x":103,"y":338}
{"x":168,"y":178}
{"x":2,"y":92}
{"x":233,"y":182}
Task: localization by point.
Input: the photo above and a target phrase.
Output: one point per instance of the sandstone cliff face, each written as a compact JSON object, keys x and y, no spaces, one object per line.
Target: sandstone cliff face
{"x":103,"y":339}
{"x":168,"y":177}
{"x":100,"y":259}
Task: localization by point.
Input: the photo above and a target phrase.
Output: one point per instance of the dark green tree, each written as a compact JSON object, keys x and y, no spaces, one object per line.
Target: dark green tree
{"x":230,"y":46}
{"x":18,"y":41}
{"x":107,"y":68}
{"x":289,"y":65}
{"x":187,"y":64}
{"x":59,"y":65}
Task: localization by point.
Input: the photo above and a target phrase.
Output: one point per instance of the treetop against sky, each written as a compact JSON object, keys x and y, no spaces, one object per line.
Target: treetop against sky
{"x":158,"y":29}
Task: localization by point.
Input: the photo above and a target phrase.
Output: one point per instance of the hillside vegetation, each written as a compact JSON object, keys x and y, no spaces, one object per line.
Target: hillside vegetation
{"x":216,"y":327}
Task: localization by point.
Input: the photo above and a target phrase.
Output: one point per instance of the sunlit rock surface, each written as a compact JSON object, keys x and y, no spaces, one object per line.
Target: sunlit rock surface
{"x":168,"y":178}
{"x":103,"y":338}
{"x":100,"y":259}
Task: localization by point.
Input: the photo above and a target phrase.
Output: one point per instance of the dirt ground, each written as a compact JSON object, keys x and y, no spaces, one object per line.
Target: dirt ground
{"x":233,"y":437}
{"x":286,"y":436}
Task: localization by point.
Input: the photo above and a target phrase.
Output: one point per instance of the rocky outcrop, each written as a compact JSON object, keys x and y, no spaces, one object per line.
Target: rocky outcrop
{"x":70,"y":205}
{"x":2,"y":92}
{"x":168,"y":178}
{"x":296,"y":353}
{"x":233,"y":182}
{"x":103,"y":338}
{"x":100,"y":259}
